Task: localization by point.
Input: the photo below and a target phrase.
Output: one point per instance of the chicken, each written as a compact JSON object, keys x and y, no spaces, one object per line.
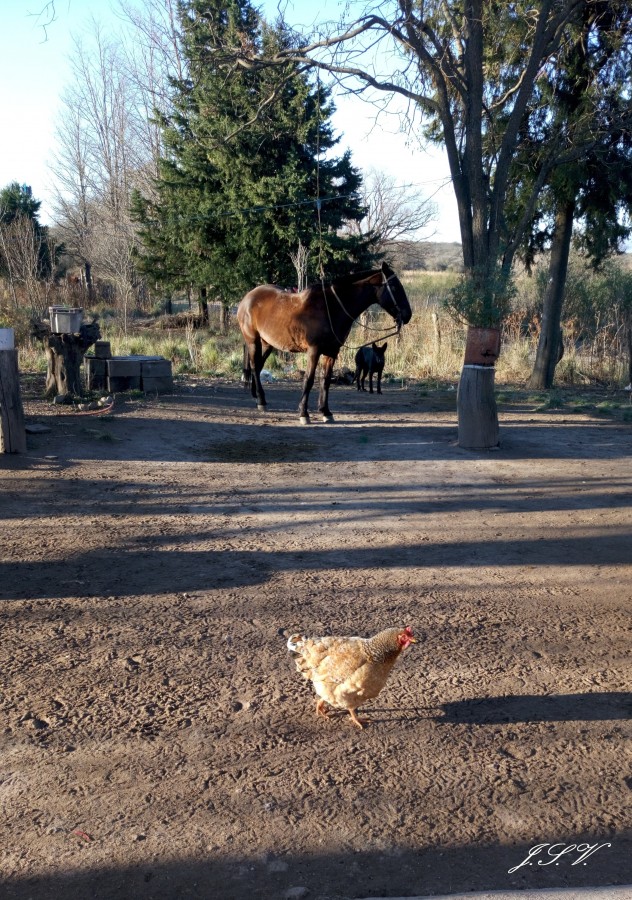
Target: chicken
{"x":348,"y":671}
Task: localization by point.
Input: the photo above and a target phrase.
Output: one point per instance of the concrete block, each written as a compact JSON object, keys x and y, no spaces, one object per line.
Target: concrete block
{"x":155,"y":368}
{"x":158,"y":384}
{"x":124,"y":367}
{"x":96,"y":373}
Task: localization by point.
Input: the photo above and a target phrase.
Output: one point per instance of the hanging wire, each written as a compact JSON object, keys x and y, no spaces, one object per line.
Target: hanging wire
{"x":321,"y":267}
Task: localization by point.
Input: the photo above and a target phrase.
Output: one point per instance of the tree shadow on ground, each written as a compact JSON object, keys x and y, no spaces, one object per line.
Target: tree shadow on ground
{"x":398,"y":871}
{"x":153,"y":571}
{"x":588,"y":707}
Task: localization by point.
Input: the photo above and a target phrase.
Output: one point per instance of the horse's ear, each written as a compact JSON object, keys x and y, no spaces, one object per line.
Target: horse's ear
{"x":386,"y":270}
{"x":384,"y":347}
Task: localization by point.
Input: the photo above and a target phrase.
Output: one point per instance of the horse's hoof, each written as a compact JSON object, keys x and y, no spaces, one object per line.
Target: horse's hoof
{"x":261,"y":407}
{"x":327,"y":419}
{"x":304,"y":420}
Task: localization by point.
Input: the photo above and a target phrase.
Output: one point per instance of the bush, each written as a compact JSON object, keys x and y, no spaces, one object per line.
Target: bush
{"x":481,"y":300}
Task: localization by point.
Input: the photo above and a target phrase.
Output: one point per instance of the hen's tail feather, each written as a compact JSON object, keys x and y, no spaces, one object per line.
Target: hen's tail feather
{"x":294,"y":643}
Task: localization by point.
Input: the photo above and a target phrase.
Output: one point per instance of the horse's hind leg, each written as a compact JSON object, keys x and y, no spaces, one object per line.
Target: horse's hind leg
{"x":325,"y":381}
{"x":256,"y":365}
{"x":246,"y":368}
{"x":267,"y":350}
{"x":308,"y":382}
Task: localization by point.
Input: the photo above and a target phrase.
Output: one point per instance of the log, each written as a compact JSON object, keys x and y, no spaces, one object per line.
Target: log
{"x":12,"y":430}
{"x":476,"y":408}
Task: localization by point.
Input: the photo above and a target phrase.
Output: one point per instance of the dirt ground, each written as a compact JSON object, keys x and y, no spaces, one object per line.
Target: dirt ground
{"x":155,"y":739}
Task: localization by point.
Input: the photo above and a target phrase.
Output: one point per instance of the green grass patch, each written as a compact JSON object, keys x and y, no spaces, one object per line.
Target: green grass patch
{"x":606,"y":408}
{"x":553,"y":400}
{"x":581,"y":407}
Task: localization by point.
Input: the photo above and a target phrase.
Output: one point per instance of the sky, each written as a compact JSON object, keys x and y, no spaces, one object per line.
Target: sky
{"x":34,"y":71}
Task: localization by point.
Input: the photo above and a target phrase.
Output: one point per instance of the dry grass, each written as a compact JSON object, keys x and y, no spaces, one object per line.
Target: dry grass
{"x":430,"y":347}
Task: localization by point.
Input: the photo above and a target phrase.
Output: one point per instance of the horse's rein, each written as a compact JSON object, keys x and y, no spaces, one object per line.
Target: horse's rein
{"x":386,"y":284}
{"x":397,"y":330}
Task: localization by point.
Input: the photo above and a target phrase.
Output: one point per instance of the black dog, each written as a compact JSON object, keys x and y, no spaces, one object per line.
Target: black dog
{"x":370,"y":360}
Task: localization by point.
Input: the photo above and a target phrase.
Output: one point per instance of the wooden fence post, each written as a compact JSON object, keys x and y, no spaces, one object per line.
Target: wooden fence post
{"x":12,"y":431}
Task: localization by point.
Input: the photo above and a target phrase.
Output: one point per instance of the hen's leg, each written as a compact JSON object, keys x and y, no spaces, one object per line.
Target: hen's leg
{"x":321,"y":710}
{"x":359,"y":722}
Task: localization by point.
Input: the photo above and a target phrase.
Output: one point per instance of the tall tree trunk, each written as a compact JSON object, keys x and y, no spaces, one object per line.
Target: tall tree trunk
{"x":223,"y":318}
{"x":629,"y":343}
{"x":476,"y":408}
{"x":548,"y":352}
{"x":475,"y":401}
{"x":87,"y":268}
{"x":203,"y":301}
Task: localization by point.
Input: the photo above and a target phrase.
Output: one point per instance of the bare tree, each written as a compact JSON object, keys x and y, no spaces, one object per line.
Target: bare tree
{"x":109,"y":139}
{"x":114,"y":258}
{"x":102,"y":156}
{"x":45,"y":17}
{"x":299,"y":261}
{"x":394,"y":212}
{"x":153,"y":58}
{"x":73,"y":198}
{"x":21,"y":248}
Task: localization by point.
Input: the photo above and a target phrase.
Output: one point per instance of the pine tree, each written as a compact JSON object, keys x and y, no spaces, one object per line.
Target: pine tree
{"x":246,"y":158}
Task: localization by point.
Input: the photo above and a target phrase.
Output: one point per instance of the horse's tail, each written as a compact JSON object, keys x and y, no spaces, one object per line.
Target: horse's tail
{"x":247,"y":371}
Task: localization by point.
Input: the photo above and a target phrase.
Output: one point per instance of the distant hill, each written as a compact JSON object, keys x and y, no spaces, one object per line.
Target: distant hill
{"x":430,"y":256}
{"x":434,"y":256}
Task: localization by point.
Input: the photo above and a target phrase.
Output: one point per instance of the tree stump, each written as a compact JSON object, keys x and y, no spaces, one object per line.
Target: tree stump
{"x":64,"y":354}
{"x":12,"y":431}
{"x":476,"y":408}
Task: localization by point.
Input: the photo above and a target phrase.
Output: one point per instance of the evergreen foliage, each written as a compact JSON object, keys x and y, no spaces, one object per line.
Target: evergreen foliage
{"x":581,"y":113}
{"x":17,"y":199}
{"x":246,"y":156}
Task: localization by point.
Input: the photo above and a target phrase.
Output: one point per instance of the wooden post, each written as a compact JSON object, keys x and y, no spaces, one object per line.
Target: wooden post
{"x":437,"y":333}
{"x":476,"y":407}
{"x":12,"y":431}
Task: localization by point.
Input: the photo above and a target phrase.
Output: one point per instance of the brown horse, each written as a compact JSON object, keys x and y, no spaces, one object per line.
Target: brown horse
{"x":317,"y":322}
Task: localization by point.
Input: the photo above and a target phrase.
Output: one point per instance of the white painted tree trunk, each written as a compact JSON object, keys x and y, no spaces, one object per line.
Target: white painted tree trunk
{"x":476,"y":408}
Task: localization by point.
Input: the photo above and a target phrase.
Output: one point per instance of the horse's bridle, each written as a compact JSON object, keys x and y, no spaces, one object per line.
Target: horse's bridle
{"x":399,"y":319}
{"x":385,"y":284}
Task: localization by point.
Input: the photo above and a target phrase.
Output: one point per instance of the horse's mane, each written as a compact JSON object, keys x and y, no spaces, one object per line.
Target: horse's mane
{"x":346,"y":279}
